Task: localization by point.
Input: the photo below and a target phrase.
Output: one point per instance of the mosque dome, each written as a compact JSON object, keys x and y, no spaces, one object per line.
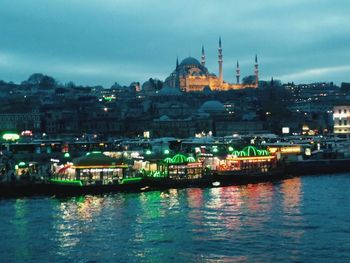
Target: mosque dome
{"x":212,"y":106}
{"x":148,"y":86}
{"x":190,"y":61}
{"x":168,"y":91}
{"x":164,"y":118}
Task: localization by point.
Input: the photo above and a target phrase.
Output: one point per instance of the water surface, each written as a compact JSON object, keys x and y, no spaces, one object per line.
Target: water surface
{"x":303,"y":219}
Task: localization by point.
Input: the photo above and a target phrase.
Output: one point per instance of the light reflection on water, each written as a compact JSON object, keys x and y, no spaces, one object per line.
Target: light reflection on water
{"x":287,"y":221}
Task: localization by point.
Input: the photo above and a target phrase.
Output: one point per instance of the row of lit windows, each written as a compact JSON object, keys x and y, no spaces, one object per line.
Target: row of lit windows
{"x":339,"y":111}
{"x":341,"y":130}
{"x":345,"y":122}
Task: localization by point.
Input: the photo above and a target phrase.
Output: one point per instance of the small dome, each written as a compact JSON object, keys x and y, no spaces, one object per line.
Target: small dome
{"x":148,"y":86}
{"x":164,"y":118}
{"x":179,"y":158}
{"x":212,"y":106}
{"x":96,"y":159}
{"x":190,"y":61}
{"x":168,"y":91}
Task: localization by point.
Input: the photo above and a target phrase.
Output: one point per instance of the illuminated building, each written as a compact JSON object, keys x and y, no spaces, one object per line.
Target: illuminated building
{"x":191,"y":75}
{"x":341,"y":118}
{"x":93,"y":169}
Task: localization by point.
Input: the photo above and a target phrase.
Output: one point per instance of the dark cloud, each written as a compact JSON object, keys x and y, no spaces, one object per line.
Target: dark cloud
{"x":103,"y":41}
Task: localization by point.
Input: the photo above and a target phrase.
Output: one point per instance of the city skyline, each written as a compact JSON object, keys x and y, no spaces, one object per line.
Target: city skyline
{"x":102,"y":42}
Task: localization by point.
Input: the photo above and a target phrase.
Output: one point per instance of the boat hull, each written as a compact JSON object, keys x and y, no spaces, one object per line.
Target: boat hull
{"x":51,"y":189}
{"x":313,"y":167}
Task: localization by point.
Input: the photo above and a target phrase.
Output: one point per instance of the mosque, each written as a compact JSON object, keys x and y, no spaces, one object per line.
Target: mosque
{"x":191,"y":75}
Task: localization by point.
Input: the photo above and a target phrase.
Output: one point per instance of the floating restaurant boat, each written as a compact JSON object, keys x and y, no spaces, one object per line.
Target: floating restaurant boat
{"x":91,"y":174}
{"x":94,"y":173}
{"x":248,"y":165}
{"x":178,"y":171}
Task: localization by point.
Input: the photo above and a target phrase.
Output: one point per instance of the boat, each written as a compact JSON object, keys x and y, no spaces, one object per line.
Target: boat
{"x":93,"y":173}
{"x":249,"y":165}
{"x":318,"y":166}
{"x":179,"y":171}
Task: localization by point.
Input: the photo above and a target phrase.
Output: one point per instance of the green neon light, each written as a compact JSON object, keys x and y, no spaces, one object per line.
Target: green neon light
{"x":148,"y":152}
{"x":10,"y":136}
{"x":131,"y":180}
{"x":230,"y":148}
{"x":66,"y":155}
{"x":67,"y":182}
{"x":236,"y":153}
{"x":156,"y":174}
{"x":21,"y":164}
{"x":264,"y":152}
{"x":179,"y":158}
{"x":251,"y":151}
{"x":96,"y":152}
{"x":88,"y":153}
{"x":166,"y":151}
{"x":191,"y":159}
{"x":215,"y":150}
{"x":109,"y":98}
{"x":168,"y":160}
{"x":242,"y":153}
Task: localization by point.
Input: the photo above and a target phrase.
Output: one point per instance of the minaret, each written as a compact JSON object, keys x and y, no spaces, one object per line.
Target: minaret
{"x":177,"y":75}
{"x":238,"y":72}
{"x":256,"y":71}
{"x":220,"y":62}
{"x":203,"y":57}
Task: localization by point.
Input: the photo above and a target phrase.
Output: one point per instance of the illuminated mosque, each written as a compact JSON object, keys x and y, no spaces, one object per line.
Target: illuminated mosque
{"x":192,"y":75}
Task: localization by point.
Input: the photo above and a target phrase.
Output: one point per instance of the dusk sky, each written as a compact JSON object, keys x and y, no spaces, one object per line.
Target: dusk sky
{"x":106,"y":41}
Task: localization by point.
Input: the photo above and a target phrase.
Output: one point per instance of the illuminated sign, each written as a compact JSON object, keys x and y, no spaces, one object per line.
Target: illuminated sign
{"x":254,"y":158}
{"x":292,"y":149}
{"x":97,"y":170}
{"x":285,"y":130}
{"x":26,"y":133}
{"x":285,"y":149}
{"x":194,"y":165}
{"x":10,"y":136}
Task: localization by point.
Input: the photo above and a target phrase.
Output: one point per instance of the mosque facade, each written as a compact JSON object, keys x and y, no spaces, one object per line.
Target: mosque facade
{"x":191,"y":75}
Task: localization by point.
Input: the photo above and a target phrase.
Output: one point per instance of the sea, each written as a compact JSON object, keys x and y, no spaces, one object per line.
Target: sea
{"x":303,"y":219}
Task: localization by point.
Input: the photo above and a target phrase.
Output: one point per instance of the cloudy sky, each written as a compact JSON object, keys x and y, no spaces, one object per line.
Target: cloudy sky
{"x":106,"y":41}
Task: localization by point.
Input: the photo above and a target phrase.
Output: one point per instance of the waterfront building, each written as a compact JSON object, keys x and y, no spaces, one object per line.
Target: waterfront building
{"x":341,"y":118}
{"x":191,"y":75}
{"x":20,"y":120}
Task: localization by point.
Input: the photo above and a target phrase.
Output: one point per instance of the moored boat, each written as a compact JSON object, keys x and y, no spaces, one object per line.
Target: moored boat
{"x":93,"y":173}
{"x":180,"y":171}
{"x":250,"y":165}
